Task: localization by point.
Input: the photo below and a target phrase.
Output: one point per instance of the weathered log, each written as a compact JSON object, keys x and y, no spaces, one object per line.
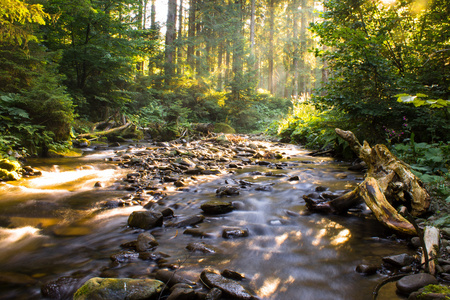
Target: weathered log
{"x":105,"y":132}
{"x":430,"y":251}
{"x":388,"y":182}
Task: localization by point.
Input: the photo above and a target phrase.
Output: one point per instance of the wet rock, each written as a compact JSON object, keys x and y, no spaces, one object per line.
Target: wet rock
{"x":62,"y":288}
{"x":189,"y":221}
{"x":119,"y":288}
{"x":228,"y":286}
{"x":232,"y":275}
{"x":200,"y":247}
{"x":412,"y":283}
{"x":98,"y":184}
{"x":294,"y":178}
{"x":230,"y":233}
{"x":367,"y":269}
{"x":145,"y":219}
{"x":145,"y":241}
{"x":197,"y":233}
{"x":415,"y":242}
{"x":182,"y":294}
{"x":399,"y":260}
{"x":214,"y":294}
{"x":171,"y":278}
{"x":422,"y":294}
{"x":264,"y":188}
{"x":227,"y":191}
{"x":129,"y":245}
{"x":123,"y":256}
{"x":320,"y":188}
{"x":167,"y":212}
{"x":216,"y":207}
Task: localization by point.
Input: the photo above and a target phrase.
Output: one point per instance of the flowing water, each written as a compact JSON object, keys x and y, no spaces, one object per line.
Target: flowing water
{"x":54,"y":226}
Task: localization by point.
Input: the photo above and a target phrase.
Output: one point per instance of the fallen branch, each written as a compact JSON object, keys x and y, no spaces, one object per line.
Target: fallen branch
{"x":104,"y":132}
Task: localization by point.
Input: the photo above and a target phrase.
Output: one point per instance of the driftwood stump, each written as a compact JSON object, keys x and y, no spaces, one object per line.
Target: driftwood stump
{"x":388,"y":183}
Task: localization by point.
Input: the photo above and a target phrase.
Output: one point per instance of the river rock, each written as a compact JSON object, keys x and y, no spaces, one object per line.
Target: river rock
{"x":227,"y":191}
{"x":216,"y":207}
{"x":145,"y":219}
{"x":214,"y":294}
{"x":424,"y":294}
{"x":62,"y":288}
{"x":230,"y":233}
{"x":119,"y":288}
{"x":197,"y":233}
{"x":232,"y":275}
{"x":228,"y":286}
{"x":145,"y":241}
{"x":399,"y":260}
{"x":412,"y":283}
{"x":200,"y":247}
{"x":367,"y":269}
{"x":123,"y":256}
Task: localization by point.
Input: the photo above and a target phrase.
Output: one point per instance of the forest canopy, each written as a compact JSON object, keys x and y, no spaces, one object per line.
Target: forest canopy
{"x":298,"y":68}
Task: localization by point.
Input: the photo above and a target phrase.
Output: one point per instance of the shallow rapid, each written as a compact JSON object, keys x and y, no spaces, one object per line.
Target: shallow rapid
{"x":57,"y":226}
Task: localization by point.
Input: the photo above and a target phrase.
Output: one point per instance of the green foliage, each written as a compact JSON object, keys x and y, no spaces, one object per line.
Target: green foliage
{"x":377,"y":51}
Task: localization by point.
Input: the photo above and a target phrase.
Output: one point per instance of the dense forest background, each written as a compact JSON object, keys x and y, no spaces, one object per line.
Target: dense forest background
{"x":295,"y":68}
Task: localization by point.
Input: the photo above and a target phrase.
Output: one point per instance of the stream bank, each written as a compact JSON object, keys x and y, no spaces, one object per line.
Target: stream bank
{"x":268,"y":235}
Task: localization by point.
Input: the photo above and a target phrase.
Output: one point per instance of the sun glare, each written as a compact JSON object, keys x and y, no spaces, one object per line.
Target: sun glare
{"x":388,"y":2}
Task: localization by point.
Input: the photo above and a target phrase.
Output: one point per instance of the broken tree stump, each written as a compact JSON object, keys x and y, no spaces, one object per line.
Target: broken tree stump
{"x":388,"y":183}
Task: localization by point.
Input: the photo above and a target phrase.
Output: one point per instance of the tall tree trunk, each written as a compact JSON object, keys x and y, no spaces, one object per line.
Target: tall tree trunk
{"x":296,"y":50}
{"x":191,"y":33}
{"x":302,"y":78}
{"x":252,"y":28}
{"x":153,"y":16}
{"x":170,"y":38}
{"x":219,"y":67}
{"x":179,"y":38}
{"x":271,"y":41}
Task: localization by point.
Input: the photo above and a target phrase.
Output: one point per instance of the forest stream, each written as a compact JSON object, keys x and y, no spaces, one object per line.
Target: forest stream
{"x":70,"y":224}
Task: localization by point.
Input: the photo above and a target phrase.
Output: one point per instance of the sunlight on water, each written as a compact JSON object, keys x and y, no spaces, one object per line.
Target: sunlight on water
{"x":25,"y":238}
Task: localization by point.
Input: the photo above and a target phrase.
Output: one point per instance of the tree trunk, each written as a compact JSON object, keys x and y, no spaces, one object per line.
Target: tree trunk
{"x":191,"y":33}
{"x":170,"y":38}
{"x":388,"y":183}
{"x":179,"y":38}
{"x":271,"y":37}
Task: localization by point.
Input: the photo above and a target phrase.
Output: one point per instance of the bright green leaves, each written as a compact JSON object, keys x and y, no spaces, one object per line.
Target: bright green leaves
{"x":418,"y":100}
{"x":15,"y":19}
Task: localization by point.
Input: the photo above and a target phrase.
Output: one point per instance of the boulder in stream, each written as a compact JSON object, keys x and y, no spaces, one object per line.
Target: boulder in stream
{"x":145,"y":219}
{"x":215,"y":207}
{"x":230,"y":287}
{"x":412,"y":283}
{"x":119,"y":288}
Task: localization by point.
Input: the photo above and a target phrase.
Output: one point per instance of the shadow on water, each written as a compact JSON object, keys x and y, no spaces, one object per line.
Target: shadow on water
{"x":53,"y":226}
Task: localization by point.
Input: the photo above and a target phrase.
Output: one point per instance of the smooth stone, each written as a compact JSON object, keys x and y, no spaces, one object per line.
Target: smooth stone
{"x":145,"y":219}
{"x":366,"y":269}
{"x":216,"y":207}
{"x":229,"y":233}
{"x":145,"y":241}
{"x":232,"y":275}
{"x":227,"y":191}
{"x":118,"y":289}
{"x":214,"y":294}
{"x":399,"y":260}
{"x":228,"y":286}
{"x":200,"y":247}
{"x":412,"y":283}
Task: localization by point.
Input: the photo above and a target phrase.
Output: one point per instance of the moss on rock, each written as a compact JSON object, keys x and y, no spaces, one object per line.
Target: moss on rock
{"x":223,"y":128}
{"x":9,"y":170}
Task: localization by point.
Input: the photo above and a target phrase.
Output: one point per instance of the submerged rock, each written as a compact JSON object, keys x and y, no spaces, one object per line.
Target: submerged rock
{"x":119,"y":288}
{"x":200,"y":247}
{"x":145,"y":241}
{"x":228,"y":286}
{"x":399,"y":260}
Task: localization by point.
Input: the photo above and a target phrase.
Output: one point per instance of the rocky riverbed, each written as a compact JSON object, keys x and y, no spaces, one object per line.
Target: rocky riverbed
{"x":224,"y":218}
